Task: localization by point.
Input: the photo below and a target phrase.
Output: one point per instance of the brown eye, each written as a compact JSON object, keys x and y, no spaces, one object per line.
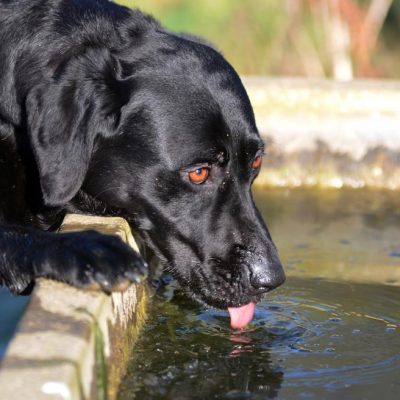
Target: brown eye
{"x":199,"y":175}
{"x":257,"y":162}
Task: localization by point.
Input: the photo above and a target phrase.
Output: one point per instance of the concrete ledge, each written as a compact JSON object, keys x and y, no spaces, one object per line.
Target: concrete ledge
{"x":73,"y":344}
{"x":329,"y":134}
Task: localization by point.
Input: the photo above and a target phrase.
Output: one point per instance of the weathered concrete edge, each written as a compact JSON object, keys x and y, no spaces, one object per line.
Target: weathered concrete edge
{"x":328,"y":134}
{"x":70,"y":343}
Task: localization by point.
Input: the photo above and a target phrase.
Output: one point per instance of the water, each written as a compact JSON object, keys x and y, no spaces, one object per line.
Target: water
{"x":332,"y":330}
{"x":11,"y":310}
{"x":351,"y":235}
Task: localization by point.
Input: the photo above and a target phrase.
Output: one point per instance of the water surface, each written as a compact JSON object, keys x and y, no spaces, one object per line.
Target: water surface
{"x":311,"y":339}
{"x":11,"y":310}
{"x":332,"y":330}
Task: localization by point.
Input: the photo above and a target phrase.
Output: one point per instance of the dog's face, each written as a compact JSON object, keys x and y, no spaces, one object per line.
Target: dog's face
{"x":182,"y":168}
{"x":166,"y":135}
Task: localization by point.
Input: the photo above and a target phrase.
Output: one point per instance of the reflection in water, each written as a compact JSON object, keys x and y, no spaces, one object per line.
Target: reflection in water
{"x":337,"y":234}
{"x":187,"y":352}
{"x":312,"y":338}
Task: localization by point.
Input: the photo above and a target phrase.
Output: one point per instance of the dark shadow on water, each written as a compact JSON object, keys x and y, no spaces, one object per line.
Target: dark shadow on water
{"x":190,"y":353}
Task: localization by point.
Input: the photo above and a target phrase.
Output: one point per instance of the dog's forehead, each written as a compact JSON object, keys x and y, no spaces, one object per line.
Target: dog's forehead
{"x":198,"y":120}
{"x":202,"y":135}
{"x":211,"y":146}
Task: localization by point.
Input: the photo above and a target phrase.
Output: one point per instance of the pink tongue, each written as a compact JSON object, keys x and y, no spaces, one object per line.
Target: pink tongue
{"x":241,"y":316}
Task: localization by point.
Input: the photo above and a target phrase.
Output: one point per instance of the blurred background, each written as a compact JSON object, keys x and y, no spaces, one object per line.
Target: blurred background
{"x":341,"y":39}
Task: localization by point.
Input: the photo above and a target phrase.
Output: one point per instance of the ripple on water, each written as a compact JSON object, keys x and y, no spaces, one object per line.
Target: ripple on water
{"x":310,"y":339}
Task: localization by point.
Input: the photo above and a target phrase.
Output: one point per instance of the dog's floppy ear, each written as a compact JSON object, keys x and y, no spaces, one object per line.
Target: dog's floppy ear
{"x":65,"y":115}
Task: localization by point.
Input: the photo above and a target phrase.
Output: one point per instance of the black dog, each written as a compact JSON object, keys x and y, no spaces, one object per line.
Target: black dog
{"x":103,"y":111}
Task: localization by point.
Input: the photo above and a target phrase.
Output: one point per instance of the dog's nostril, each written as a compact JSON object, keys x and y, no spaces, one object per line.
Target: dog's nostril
{"x":264,"y":275}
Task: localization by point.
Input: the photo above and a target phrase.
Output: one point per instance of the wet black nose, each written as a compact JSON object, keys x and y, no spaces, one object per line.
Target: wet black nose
{"x":267,"y":275}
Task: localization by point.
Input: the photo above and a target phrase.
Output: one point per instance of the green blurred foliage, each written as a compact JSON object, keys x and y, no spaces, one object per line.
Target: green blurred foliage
{"x":265,"y":37}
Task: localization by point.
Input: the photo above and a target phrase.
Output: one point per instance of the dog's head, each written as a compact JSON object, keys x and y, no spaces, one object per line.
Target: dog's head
{"x":166,"y":134}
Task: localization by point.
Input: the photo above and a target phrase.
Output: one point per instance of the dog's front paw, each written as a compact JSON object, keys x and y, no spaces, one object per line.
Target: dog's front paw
{"x":90,"y":260}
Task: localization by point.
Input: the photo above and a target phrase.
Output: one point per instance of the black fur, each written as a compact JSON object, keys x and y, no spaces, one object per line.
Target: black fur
{"x":103,"y":111}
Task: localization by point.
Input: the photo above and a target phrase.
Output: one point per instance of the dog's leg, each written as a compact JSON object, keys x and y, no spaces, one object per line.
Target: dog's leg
{"x":85,"y":259}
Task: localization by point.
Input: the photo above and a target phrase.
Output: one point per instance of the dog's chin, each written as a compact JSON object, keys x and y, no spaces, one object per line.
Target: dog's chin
{"x":221,"y":301}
